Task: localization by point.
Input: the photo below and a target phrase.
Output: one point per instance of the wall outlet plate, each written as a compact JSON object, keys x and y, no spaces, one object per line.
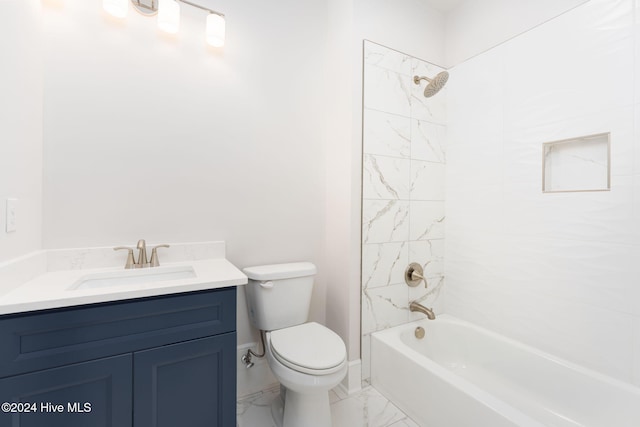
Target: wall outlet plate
{"x":11,"y":223}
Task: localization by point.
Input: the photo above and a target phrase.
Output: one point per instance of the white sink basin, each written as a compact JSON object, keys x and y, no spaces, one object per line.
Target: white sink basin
{"x":133,"y":277}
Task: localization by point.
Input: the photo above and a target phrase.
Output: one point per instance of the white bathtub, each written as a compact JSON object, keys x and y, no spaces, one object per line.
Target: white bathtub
{"x":461,"y":375}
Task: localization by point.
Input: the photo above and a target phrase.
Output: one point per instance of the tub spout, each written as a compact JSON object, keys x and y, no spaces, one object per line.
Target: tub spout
{"x":415,"y":306}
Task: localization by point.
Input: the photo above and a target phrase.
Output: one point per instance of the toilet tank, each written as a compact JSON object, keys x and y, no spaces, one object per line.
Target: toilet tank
{"x":279,"y":295}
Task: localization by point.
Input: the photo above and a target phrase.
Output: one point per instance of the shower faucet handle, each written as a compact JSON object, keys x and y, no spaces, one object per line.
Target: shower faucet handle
{"x":155,"y":262}
{"x":414,"y":274}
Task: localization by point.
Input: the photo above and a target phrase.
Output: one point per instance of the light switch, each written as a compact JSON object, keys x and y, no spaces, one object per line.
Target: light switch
{"x":11,"y":215}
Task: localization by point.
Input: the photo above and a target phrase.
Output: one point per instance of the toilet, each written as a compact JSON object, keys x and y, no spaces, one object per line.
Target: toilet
{"x":308,"y":359}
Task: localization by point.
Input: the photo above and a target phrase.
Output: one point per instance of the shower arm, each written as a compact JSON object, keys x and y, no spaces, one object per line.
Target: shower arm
{"x":416,"y":79}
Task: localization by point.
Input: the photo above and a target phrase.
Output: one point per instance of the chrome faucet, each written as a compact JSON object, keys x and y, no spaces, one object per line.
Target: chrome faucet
{"x":142,"y":262}
{"x":415,"y":306}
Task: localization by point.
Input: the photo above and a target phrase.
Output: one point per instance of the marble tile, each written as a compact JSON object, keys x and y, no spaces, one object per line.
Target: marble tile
{"x":394,"y":215}
{"x":384,"y":57}
{"x":426,"y":220}
{"x":429,"y":254}
{"x":432,"y":109}
{"x":384,"y":307}
{"x":407,"y":422}
{"x":385,"y":221}
{"x":383,"y":264}
{"x":578,"y":164}
{"x":386,"y":134}
{"x":367,"y":409}
{"x":387,"y":91}
{"x":427,"y":180}
{"x":385,"y":178}
{"x":255,"y":410}
{"x":428,"y":109}
{"x":432,"y":296}
{"x":428,"y":141}
{"x":420,"y":67}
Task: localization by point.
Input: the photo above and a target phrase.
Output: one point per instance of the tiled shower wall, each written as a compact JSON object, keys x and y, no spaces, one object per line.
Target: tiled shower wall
{"x":403,"y":190}
{"x":559,"y":271}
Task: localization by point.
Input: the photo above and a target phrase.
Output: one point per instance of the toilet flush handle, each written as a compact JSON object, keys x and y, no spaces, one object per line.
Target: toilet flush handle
{"x":267,"y":285}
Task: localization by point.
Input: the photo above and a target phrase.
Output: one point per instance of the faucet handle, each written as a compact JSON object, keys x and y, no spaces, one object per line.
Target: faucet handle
{"x":130,"y":260}
{"x":155,"y":262}
{"x":414,"y":274}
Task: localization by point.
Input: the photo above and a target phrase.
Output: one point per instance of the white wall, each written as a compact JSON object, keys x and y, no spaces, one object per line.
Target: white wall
{"x":159,"y":137}
{"x":342,"y":190}
{"x":411,"y":26}
{"x":477,"y":25}
{"x":417,"y":29}
{"x":20,"y":125}
{"x":149,"y":136}
{"x":557,"y":271}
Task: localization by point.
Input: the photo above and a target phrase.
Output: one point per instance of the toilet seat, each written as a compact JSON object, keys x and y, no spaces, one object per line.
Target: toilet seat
{"x":309,"y":348}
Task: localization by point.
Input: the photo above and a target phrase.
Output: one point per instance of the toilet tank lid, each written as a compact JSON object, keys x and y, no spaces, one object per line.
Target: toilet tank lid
{"x":280,"y":271}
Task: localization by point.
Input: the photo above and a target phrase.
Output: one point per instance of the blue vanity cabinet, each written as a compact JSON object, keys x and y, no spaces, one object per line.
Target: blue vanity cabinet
{"x":61,"y":395}
{"x":151,"y":362}
{"x":186,"y":384}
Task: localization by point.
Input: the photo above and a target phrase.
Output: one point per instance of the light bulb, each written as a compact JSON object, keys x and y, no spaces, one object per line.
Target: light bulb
{"x":117,"y":8}
{"x":215,"y":30}
{"x":169,"y":16}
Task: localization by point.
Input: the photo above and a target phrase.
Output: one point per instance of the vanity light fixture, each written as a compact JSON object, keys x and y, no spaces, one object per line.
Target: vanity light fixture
{"x":117,"y":8}
{"x":216,"y":28}
{"x":168,"y":12}
{"x":169,"y":16}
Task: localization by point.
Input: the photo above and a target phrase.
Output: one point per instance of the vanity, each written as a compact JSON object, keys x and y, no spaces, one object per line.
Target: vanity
{"x":77,"y":350}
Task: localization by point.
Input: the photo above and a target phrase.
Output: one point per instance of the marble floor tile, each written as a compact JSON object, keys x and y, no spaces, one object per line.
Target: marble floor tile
{"x":406,"y":422}
{"x":255,"y":410}
{"x":368,"y":408}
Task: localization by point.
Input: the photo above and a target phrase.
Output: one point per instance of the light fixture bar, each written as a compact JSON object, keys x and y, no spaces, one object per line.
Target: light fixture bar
{"x":152,"y":8}
{"x":201,"y":7}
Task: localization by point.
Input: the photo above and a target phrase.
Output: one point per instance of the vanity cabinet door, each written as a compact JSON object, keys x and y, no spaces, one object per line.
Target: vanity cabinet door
{"x":96,"y":394}
{"x":186,"y":384}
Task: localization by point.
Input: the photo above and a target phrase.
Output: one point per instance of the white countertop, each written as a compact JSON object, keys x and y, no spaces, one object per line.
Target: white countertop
{"x":55,"y":289}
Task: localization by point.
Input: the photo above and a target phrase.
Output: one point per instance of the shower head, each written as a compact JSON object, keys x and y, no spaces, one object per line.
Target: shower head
{"x":435,"y":84}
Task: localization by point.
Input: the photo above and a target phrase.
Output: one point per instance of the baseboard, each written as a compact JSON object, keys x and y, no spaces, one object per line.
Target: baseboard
{"x":352,"y":382}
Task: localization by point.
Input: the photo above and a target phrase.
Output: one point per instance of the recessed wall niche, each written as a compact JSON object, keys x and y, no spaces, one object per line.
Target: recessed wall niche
{"x":577,"y":164}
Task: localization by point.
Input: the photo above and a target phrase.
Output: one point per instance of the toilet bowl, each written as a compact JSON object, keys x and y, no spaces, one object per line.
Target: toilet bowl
{"x":308,"y":359}
{"x":305,"y":377}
